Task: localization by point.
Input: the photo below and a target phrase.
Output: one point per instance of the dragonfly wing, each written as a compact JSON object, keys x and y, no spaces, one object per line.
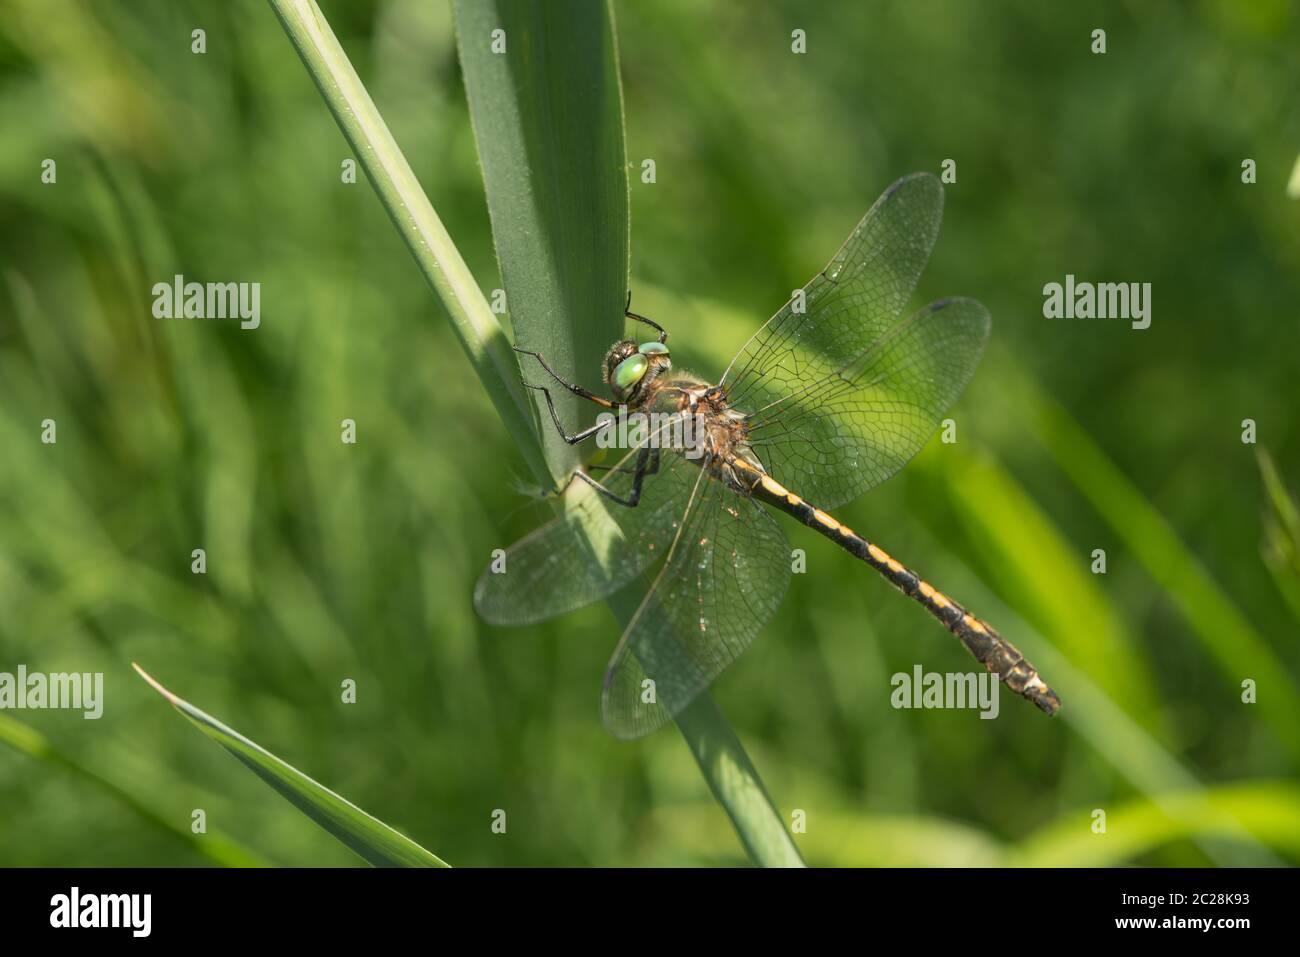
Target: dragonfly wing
{"x":851,"y":430}
{"x":840,"y":391}
{"x":554,"y":569}
{"x":849,"y":304}
{"x":725,"y":575}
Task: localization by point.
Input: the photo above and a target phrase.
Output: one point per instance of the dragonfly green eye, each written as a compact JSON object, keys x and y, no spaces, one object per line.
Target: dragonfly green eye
{"x":653,"y":349}
{"x":629,"y":372}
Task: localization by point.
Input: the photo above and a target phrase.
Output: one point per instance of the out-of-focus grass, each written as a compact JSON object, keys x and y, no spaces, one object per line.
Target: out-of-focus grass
{"x":1225,"y":634}
{"x":1269,"y":810}
{"x":214,"y":845}
{"x":1281,"y":540}
{"x":359,"y":561}
{"x":842,"y":837}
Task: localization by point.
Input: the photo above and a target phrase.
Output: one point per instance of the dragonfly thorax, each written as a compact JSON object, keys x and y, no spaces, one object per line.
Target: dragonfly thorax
{"x":721,"y":432}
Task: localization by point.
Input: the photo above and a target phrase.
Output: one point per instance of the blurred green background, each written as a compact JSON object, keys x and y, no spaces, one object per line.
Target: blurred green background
{"x":328,"y":561}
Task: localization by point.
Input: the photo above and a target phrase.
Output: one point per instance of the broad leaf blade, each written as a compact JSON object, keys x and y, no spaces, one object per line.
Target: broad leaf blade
{"x":370,"y":838}
{"x":543,"y":88}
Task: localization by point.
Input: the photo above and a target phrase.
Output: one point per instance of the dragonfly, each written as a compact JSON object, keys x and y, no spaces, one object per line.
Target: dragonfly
{"x":829,"y":398}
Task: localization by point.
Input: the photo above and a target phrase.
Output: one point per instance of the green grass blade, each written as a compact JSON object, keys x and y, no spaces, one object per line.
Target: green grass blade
{"x":735,"y":784}
{"x":1281,"y":545}
{"x":1285,"y":511}
{"x":214,"y":845}
{"x":548,"y":120}
{"x":367,"y":836}
{"x":443,"y":266}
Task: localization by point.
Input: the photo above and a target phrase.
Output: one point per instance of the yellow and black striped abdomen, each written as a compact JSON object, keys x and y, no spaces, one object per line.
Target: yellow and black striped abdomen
{"x":989,"y":648}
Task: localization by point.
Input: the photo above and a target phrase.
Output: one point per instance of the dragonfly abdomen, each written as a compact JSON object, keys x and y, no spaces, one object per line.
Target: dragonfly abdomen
{"x":981,"y":640}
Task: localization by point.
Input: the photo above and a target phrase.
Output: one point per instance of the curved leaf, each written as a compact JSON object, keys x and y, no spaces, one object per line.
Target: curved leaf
{"x":371,"y":839}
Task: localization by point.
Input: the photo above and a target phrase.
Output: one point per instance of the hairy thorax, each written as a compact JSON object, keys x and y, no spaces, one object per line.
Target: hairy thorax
{"x":721,"y":431}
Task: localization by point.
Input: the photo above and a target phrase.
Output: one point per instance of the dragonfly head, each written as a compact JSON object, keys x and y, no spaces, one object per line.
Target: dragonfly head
{"x":629,"y":367}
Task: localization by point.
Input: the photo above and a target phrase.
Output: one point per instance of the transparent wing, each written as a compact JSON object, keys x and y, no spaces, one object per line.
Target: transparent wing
{"x":813,"y":350}
{"x":841,"y":435}
{"x":851,"y":302}
{"x":555,"y":570}
{"x":723,"y":579}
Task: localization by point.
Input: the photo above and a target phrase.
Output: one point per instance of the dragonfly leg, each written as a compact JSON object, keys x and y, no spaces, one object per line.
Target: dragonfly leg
{"x":647,"y":463}
{"x":574,"y":438}
{"x":652,"y":470}
{"x":577,"y":390}
{"x":627,"y":311}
